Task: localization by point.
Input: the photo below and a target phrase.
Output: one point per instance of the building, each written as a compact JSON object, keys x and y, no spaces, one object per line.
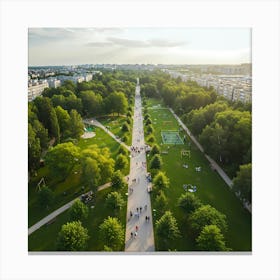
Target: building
{"x":54,"y":83}
{"x":36,"y":88}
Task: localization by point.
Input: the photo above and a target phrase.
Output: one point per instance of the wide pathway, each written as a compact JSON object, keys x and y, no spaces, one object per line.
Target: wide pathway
{"x":220,"y":171}
{"x":138,"y":196}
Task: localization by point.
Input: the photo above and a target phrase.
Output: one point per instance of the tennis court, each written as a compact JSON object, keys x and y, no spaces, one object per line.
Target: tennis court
{"x":171,"y":137}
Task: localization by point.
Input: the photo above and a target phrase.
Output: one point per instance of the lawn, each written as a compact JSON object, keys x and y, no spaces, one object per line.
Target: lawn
{"x":114,"y":124}
{"x":211,"y":189}
{"x":71,"y":187}
{"x":48,"y":233}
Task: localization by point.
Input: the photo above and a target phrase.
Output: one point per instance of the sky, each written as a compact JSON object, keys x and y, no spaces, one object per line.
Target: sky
{"x":71,"y":46}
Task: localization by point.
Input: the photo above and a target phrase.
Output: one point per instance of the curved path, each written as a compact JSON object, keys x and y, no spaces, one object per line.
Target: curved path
{"x":100,"y":125}
{"x":138,"y":190}
{"x":60,"y":210}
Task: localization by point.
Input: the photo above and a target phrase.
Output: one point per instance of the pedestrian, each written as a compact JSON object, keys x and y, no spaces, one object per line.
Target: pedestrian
{"x":140,"y":209}
{"x":135,"y":234}
{"x":136,"y":228}
{"x":137,"y":209}
{"x":146,"y":218}
{"x":146,"y":207}
{"x":131,"y":235}
{"x":130,"y":214}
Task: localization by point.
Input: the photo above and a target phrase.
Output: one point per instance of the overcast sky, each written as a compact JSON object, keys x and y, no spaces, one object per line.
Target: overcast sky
{"x":68,"y":46}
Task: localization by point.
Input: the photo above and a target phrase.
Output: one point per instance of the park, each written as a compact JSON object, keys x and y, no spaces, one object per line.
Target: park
{"x":172,"y":181}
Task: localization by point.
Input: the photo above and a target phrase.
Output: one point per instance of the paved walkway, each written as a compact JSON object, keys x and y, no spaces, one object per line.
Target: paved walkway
{"x":100,"y":125}
{"x":139,"y":197}
{"x":60,"y":210}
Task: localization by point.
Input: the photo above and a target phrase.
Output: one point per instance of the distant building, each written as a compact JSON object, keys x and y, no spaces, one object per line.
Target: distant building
{"x":53,"y":83}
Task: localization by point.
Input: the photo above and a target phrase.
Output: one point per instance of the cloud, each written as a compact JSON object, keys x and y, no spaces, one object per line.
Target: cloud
{"x":122,"y":42}
{"x":99,"y":44}
{"x":166,"y":43}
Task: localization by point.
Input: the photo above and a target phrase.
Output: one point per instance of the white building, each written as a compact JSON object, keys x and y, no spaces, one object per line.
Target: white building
{"x":36,"y":89}
{"x":54,"y":83}
{"x":88,"y":77}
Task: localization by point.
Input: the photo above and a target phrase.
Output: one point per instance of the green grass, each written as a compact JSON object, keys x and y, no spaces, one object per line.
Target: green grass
{"x":211,"y":189}
{"x":44,"y":239}
{"x":115,"y":124}
{"x":72,"y":185}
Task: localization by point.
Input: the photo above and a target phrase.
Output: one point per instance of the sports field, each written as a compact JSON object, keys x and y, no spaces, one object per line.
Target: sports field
{"x":171,"y":137}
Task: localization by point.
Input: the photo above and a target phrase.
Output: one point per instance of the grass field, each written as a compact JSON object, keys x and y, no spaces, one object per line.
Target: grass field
{"x":211,"y":189}
{"x":71,"y":185}
{"x":115,"y":126}
{"x":44,"y":239}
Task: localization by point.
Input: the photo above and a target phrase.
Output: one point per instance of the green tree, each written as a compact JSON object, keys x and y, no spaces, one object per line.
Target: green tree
{"x":114,"y":200}
{"x":149,"y":129}
{"x":45,"y":197}
{"x":242,"y":183}
{"x":148,"y":121}
{"x":161,"y":203}
{"x":125,"y":127}
{"x":122,"y":150}
{"x":55,"y":129}
{"x":111,"y":232}
{"x":61,"y":159}
{"x":207,"y":215}
{"x":161,"y":181}
{"x":72,"y":237}
{"x":121,"y":162}
{"x":151,"y":139}
{"x":78,"y":211}
{"x":34,"y":149}
{"x":92,"y":103}
{"x":118,"y":181}
{"x":156,"y":162}
{"x":41,"y":133}
{"x":211,"y":239}
{"x":91,"y":172}
{"x":63,"y":121}
{"x":166,"y":230}
{"x":189,"y":202}
{"x":77,"y":127}
{"x":155,"y":150}
{"x":116,"y":102}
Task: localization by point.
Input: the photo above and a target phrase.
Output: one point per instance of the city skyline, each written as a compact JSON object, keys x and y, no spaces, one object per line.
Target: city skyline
{"x":72,"y":46}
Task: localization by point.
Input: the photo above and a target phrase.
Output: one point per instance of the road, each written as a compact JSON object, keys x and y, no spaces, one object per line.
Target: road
{"x":139,"y":197}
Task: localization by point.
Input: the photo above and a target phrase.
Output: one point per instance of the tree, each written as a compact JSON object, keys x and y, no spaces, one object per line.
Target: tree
{"x":78,"y":211}
{"x":242,"y":183}
{"x":54,"y":129}
{"x":121,"y":162}
{"x":149,"y":129}
{"x":161,"y":203}
{"x":116,"y":102}
{"x":118,"y":181}
{"x":189,"y":202}
{"x":156,"y":162}
{"x":155,"y":150}
{"x":63,"y":121}
{"x":77,"y":126}
{"x":211,"y":239}
{"x":111,"y":232}
{"x":125,"y":127}
{"x":34,"y":149}
{"x":207,"y":215}
{"x":122,"y":150}
{"x":41,"y":133}
{"x":91,"y":172}
{"x":114,"y":200}
{"x":161,"y":181}
{"x":92,"y":103}
{"x":61,"y":159}
{"x":166,"y":230}
{"x":151,"y":139}
{"x":148,"y":121}
{"x":46,"y":197}
{"x":72,"y":237}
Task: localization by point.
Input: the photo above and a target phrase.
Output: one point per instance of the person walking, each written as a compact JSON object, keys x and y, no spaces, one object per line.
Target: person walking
{"x":131,"y":235}
{"x":140,"y":209}
{"x":136,"y":228}
{"x":135,"y":234}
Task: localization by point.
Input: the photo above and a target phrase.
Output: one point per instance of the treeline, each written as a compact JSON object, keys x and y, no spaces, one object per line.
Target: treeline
{"x":56,"y":116}
{"x":223,"y":127}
